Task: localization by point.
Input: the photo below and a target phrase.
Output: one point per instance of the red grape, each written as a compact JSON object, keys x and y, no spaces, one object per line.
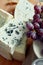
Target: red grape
{"x":36,"y":16}
{"x":38,"y":20}
{"x":30,"y":26}
{"x":36,"y":25}
{"x":37,"y":9}
{"x":41,"y":31}
{"x":33,"y":35}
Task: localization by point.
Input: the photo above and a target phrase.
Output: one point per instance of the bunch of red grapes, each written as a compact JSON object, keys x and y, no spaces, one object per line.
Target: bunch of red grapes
{"x":35,"y":28}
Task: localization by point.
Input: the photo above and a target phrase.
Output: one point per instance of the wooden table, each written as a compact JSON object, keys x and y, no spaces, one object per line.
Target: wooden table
{"x":31,"y":56}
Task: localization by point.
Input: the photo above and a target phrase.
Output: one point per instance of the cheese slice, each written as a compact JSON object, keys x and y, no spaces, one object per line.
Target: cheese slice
{"x":4,"y":17}
{"x":20,"y":50}
{"x":11,"y":35}
{"x":24,"y":10}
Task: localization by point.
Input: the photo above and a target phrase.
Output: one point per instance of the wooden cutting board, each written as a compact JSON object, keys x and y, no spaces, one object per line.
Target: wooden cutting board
{"x":4,"y":4}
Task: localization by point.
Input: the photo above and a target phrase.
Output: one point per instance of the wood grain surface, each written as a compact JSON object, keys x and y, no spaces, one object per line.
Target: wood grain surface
{"x":30,"y":57}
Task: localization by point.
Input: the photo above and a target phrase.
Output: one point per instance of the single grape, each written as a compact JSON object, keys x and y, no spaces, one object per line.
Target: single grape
{"x":38,"y":20}
{"x":36,"y":16}
{"x":30,"y":26}
{"x":40,"y":32}
{"x":42,"y":8}
{"x":28,"y":33}
{"x":33,"y":35}
{"x":37,"y":9}
{"x":36,"y":25}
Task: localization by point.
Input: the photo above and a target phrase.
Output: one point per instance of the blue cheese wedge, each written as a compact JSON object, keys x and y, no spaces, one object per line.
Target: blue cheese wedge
{"x":4,"y":17}
{"x":19,"y":53}
{"x":11,"y":35}
{"x":24,"y":10}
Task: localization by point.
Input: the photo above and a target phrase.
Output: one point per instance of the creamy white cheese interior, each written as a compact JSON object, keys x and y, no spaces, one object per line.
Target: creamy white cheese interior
{"x":24,"y":10}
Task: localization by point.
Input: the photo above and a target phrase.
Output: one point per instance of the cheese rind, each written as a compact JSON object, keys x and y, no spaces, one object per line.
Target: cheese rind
{"x":5,"y":53}
{"x":19,"y":53}
{"x":4,"y":17}
{"x":24,"y":10}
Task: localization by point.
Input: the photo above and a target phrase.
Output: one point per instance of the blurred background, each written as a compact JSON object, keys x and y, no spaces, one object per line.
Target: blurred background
{"x":9,"y":5}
